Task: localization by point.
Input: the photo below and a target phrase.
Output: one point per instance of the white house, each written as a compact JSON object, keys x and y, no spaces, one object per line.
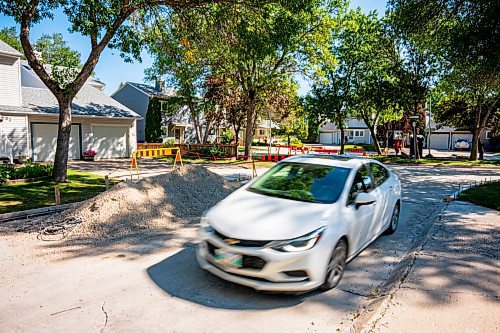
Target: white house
{"x":355,"y":132}
{"x":29,"y":116}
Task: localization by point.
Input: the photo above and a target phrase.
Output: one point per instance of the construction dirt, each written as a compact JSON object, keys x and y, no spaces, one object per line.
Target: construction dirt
{"x":159,"y":203}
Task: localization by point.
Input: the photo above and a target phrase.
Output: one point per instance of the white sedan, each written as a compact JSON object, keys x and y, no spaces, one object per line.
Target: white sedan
{"x":295,"y":227}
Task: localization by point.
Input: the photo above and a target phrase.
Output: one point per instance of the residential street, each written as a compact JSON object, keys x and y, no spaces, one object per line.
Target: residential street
{"x":154,"y":284}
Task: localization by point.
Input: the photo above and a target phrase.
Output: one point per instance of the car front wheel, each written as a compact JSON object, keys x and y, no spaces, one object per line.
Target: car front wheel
{"x":336,"y":266}
{"x":394,"y":221}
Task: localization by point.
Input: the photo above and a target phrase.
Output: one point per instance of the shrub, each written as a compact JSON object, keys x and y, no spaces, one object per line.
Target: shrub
{"x":295,"y":142}
{"x":29,"y":170}
{"x":33,"y":170}
{"x":211,"y":151}
{"x":227,"y":137}
{"x":6,"y":172}
{"x":169,"y":143}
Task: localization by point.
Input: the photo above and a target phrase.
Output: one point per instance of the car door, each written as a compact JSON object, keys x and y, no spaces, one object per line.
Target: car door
{"x":381,"y":190}
{"x":359,"y":218}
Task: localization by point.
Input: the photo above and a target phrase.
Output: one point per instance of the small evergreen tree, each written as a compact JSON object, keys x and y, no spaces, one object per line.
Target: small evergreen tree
{"x":153,"y":121}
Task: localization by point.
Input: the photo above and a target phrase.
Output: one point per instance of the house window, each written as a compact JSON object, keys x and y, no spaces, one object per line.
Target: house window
{"x":488,"y":135}
{"x":356,"y":133}
{"x":262,"y":132}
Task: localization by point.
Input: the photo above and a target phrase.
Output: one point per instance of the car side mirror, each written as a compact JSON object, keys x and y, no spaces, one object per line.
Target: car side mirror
{"x":364,"y":199}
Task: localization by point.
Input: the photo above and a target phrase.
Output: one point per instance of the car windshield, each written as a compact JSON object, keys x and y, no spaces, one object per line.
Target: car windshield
{"x":303,"y":182}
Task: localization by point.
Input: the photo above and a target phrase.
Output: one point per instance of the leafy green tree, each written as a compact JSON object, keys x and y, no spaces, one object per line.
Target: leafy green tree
{"x":464,"y":36}
{"x":258,"y":49}
{"x":105,"y":23}
{"x":9,"y":35}
{"x":65,"y":62}
{"x":153,"y":131}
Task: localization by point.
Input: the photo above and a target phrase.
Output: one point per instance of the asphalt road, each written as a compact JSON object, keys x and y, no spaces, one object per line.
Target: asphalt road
{"x":130,"y":287}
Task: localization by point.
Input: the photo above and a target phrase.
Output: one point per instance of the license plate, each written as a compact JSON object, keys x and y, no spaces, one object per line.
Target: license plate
{"x":228,"y":258}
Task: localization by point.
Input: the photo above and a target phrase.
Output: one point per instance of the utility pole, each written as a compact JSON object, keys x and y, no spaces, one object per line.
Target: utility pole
{"x":414,"y":127}
{"x":429,"y":155}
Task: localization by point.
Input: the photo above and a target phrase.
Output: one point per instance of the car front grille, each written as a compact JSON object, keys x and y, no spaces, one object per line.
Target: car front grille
{"x":241,"y":242}
{"x":248,"y":261}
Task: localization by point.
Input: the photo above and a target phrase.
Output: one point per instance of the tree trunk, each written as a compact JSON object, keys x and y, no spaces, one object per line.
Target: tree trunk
{"x":196,"y":123}
{"x":474,"y":147}
{"x":208,"y":127}
{"x":59,"y":174}
{"x":250,"y":123}
{"x":373,"y":133}
{"x":342,"y":140}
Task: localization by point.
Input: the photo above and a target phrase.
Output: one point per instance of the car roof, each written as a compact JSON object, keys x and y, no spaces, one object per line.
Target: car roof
{"x":346,"y":161}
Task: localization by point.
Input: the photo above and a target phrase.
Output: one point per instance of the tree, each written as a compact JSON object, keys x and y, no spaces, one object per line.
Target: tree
{"x":360,"y":83}
{"x":468,"y":104}
{"x":104,"y":23}
{"x":153,"y":130}
{"x":464,"y":36}
{"x":9,"y":35}
{"x":258,"y":49}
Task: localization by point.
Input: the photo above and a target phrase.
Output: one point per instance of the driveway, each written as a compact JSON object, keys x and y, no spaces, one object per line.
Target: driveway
{"x":154,"y":284}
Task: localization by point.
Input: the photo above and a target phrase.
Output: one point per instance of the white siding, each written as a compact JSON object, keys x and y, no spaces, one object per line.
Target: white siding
{"x":14,"y":128}
{"x":10,"y":81}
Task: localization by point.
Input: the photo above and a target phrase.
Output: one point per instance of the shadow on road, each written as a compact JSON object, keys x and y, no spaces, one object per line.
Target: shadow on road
{"x":180,"y":276}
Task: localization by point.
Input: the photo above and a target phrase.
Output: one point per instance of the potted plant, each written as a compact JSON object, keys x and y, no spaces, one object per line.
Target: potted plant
{"x":89,"y":155}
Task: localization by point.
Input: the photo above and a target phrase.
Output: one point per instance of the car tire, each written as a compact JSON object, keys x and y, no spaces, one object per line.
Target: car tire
{"x":394,"y":221}
{"x":336,"y":266}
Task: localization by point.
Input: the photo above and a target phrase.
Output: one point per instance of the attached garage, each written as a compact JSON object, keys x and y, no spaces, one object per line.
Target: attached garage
{"x":326,"y":138}
{"x":110,"y":141}
{"x":440,"y":141}
{"x":44,"y":142}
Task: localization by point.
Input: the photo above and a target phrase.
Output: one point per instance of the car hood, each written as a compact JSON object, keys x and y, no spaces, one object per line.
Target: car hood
{"x":252,"y":216}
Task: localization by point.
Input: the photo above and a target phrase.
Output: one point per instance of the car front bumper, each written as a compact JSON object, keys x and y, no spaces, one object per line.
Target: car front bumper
{"x":272,"y":276}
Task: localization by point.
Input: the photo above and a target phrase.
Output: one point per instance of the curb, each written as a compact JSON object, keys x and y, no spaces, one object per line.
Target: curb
{"x":37,"y":212}
{"x":368,"y":318}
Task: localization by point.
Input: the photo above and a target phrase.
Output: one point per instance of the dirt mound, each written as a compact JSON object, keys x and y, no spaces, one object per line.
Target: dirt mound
{"x":162,"y":202}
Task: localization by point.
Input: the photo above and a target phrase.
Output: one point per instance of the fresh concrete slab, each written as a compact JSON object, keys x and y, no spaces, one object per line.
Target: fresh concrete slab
{"x":152,"y":283}
{"x":454,"y":283}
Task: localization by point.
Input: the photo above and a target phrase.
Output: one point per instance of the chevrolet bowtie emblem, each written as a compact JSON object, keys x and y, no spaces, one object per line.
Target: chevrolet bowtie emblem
{"x":230,"y":241}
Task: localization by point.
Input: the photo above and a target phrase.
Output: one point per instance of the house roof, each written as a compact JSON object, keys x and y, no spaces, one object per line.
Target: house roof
{"x":149,"y":90}
{"x":90,"y":100}
{"x":8,"y":50}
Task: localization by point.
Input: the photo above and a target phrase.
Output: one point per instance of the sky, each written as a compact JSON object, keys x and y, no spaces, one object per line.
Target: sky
{"x":111,"y":69}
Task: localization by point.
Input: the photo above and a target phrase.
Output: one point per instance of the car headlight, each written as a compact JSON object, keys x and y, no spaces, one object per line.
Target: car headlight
{"x":302,"y":243}
{"x":205,"y":225}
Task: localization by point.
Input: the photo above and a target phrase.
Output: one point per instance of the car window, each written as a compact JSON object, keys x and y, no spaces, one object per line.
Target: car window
{"x":303,"y":182}
{"x":362,"y":183}
{"x":379,"y":173}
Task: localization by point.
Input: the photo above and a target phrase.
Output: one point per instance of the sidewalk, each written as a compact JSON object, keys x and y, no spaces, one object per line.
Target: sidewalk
{"x":454,"y":283}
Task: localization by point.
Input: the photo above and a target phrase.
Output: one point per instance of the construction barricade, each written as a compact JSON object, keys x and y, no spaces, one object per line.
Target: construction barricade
{"x":155,"y":152}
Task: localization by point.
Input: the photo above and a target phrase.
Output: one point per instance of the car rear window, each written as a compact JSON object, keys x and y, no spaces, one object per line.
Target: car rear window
{"x":303,"y":182}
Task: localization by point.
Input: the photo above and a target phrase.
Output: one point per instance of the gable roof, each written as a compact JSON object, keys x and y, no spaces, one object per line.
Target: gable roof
{"x":6,"y":49}
{"x":149,"y":90}
{"x":90,"y":100}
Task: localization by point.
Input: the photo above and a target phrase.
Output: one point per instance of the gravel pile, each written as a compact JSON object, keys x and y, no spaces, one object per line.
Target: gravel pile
{"x":163,"y":202}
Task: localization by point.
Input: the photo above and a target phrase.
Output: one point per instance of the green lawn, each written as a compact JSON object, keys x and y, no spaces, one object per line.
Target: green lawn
{"x":22,"y":196}
{"x":483,"y":195}
{"x":437,"y":162}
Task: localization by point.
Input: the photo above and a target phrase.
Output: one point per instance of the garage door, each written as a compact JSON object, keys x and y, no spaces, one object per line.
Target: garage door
{"x":110,"y":141}
{"x":326,"y":138}
{"x":44,"y":142}
{"x":439,"y":141}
